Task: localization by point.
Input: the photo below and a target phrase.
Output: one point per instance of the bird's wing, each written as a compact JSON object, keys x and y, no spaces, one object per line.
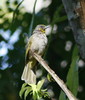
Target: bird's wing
{"x":27,"y":50}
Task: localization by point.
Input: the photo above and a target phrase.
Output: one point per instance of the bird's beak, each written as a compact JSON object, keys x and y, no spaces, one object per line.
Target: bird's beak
{"x":47,"y":26}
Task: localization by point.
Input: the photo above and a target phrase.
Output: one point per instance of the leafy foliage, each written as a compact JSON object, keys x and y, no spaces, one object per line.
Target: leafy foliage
{"x":34,"y":90}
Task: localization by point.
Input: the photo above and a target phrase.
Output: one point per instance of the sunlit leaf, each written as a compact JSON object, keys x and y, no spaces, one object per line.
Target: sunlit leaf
{"x":44,"y":90}
{"x":29,"y":89}
{"x":34,"y":95}
{"x":50,"y":78}
{"x":22,"y":91}
{"x":24,"y":85}
{"x":40,"y":83}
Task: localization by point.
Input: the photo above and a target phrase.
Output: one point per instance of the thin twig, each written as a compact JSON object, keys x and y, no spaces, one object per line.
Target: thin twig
{"x":15,"y":11}
{"x":54,"y":75}
{"x":33,"y":17}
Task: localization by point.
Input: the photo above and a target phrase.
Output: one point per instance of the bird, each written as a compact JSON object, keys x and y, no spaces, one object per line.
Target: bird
{"x":36,"y":43}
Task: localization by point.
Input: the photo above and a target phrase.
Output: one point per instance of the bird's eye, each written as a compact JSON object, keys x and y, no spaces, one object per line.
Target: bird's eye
{"x":39,"y":29}
{"x":42,"y":30}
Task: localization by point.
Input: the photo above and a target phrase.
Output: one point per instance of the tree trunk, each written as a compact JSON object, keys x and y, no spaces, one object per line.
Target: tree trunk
{"x":75,"y":10}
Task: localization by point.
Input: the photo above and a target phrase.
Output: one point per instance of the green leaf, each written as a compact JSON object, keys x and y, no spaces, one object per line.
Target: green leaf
{"x":60,"y":19}
{"x":40,"y":83}
{"x":72,"y":77}
{"x":75,"y":52}
{"x":34,"y":96}
{"x":50,"y":78}
{"x":29,"y":89}
{"x":22,"y":91}
{"x":62,"y":96}
{"x":44,"y":90}
{"x":24,"y":85}
{"x":46,"y":94}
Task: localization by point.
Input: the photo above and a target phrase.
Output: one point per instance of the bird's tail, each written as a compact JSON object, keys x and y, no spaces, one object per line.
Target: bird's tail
{"x":28,"y":74}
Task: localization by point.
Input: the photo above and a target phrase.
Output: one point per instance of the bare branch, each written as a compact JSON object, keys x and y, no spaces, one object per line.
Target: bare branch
{"x":54,"y":75}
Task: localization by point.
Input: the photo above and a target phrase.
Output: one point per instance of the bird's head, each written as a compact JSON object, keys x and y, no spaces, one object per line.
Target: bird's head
{"x":41,"y":28}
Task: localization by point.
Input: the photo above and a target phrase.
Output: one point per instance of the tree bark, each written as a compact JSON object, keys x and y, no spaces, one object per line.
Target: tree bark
{"x":75,"y":10}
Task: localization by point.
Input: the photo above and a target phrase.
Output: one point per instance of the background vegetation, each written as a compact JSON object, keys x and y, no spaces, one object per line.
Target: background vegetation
{"x":59,"y":53}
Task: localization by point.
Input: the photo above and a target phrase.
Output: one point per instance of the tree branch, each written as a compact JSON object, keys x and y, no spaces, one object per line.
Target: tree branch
{"x":56,"y":78}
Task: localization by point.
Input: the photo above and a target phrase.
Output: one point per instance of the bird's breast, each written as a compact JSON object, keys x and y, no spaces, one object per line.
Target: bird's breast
{"x":39,"y":43}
